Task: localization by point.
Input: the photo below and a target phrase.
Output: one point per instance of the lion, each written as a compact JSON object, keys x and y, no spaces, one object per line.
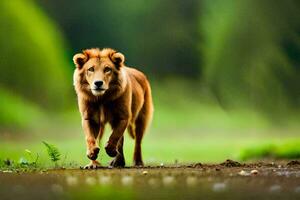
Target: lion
{"x":110,"y":92}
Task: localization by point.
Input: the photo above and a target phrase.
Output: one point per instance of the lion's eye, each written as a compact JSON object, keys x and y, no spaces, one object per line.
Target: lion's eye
{"x":91,"y":69}
{"x":107,"y":70}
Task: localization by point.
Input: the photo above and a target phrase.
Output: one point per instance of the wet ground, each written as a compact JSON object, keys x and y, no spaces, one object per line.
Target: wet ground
{"x":228,"y":180}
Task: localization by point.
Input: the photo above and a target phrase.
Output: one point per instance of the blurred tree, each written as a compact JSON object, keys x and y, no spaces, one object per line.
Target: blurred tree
{"x":250,"y":49}
{"x":17,"y":114}
{"x":160,"y":37}
{"x":251,"y":52}
{"x":33,"y":61}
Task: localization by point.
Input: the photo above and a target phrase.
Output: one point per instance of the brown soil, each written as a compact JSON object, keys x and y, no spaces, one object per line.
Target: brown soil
{"x":228,"y":180}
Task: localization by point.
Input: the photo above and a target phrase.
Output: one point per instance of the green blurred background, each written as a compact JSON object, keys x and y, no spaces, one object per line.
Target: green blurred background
{"x":225,"y":75}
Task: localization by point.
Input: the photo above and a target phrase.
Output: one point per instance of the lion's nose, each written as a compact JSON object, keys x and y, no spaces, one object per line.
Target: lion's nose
{"x":98,"y":83}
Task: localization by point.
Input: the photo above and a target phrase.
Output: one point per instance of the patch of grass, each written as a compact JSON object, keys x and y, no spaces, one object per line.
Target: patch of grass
{"x":29,"y":162}
{"x":53,"y":152}
{"x":166,"y":150}
{"x":277,"y":150}
{"x":18,"y":161}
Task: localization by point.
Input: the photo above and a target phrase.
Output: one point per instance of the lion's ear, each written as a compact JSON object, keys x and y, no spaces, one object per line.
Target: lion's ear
{"x":79,"y":59}
{"x":118,"y":59}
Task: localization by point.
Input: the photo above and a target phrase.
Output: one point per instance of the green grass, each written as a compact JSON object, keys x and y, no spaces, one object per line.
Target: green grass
{"x":186,"y":128}
{"x":158,"y":149}
{"x":286,"y":149}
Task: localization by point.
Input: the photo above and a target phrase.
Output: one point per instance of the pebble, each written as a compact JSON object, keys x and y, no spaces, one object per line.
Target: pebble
{"x":244,"y":173}
{"x":145,"y":172}
{"x":254,"y":172}
{"x":218,"y":187}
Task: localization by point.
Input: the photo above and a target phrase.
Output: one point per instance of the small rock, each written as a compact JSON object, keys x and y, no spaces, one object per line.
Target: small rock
{"x":218,"y":187}
{"x":244,"y":173}
{"x":254,"y":172}
{"x":145,"y":172}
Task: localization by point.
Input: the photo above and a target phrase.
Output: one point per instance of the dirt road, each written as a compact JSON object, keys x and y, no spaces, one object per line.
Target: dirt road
{"x":228,"y":180}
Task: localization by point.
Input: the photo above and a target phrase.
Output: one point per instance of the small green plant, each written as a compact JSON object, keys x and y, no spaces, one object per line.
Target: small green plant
{"x":24,"y":164}
{"x":53,"y":152}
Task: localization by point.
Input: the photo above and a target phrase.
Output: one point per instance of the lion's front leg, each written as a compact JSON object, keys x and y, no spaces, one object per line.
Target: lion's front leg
{"x":92,"y":132}
{"x":118,"y":127}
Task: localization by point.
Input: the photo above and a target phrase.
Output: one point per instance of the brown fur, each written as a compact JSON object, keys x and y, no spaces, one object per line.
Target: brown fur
{"x":123,"y":100}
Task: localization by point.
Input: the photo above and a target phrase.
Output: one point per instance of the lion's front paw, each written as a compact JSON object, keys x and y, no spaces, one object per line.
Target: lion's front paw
{"x":111,"y":149}
{"x":138,"y":163}
{"x":118,"y":161}
{"x":92,"y":165}
{"x":93,"y":154}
